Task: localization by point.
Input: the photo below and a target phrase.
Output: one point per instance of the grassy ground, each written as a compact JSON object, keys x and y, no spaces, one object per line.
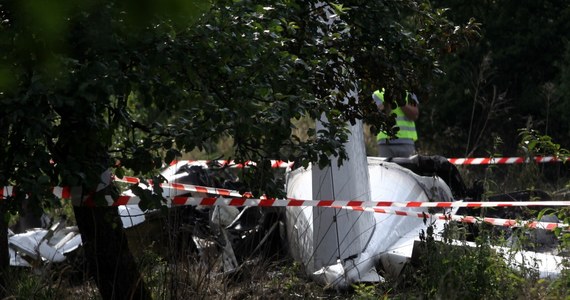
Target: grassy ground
{"x":172,"y":272}
{"x":447,"y":272}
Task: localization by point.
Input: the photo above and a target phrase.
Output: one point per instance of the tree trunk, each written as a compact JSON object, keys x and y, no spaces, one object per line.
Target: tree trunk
{"x":4,"y":255}
{"x":109,"y":260}
{"x":82,"y":148}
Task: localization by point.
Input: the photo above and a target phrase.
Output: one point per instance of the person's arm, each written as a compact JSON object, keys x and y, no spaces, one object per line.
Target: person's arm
{"x":411,"y":111}
{"x":379,"y":101}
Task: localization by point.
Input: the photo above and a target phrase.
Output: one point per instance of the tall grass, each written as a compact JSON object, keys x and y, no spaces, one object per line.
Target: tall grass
{"x":174,"y":269}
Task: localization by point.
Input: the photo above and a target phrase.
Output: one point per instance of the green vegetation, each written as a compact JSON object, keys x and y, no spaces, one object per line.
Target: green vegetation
{"x":130,"y":85}
{"x":515,"y":76}
{"x":442,"y":269}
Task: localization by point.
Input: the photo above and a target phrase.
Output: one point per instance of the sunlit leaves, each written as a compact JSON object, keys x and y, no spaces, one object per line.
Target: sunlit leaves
{"x":138,"y":82}
{"x":534,"y":143}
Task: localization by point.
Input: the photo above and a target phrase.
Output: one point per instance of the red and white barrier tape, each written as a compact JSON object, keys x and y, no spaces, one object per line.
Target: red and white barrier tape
{"x":455,"y":161}
{"x":369,"y":206}
{"x":284,"y":164}
{"x":462,"y":219}
{"x":502,"y":160}
{"x":332,"y":204}
{"x":7,"y":191}
{"x":468,"y":204}
{"x":58,"y":191}
{"x":186,"y":187}
{"x":290,"y":202}
{"x":62,"y":192}
{"x":238,"y":200}
{"x":234,"y":164}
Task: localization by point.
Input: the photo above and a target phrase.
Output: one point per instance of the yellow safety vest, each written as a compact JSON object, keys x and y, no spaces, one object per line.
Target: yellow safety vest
{"x":407,"y":126}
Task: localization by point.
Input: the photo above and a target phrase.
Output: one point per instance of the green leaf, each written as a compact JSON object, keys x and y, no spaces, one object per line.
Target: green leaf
{"x":120,"y":172}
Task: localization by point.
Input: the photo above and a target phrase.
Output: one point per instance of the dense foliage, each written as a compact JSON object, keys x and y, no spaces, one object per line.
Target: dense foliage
{"x":129,"y":85}
{"x":86,"y":86}
{"x":89,"y":86}
{"x":515,"y":76}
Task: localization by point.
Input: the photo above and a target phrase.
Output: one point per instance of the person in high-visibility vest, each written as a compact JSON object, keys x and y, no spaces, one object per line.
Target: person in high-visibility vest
{"x":404,"y":143}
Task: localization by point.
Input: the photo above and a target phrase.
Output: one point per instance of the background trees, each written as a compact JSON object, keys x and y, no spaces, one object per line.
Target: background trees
{"x":129,"y":84}
{"x":514,"y":77}
{"x":142,"y":79}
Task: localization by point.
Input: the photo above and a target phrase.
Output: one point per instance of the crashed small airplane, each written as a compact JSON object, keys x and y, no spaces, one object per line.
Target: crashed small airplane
{"x":338,"y":244}
{"x":38,"y":245}
{"x":342,"y":245}
{"x":339,"y":247}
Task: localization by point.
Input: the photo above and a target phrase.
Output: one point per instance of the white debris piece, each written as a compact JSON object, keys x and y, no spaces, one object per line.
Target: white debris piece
{"x":131,"y":215}
{"x":392,"y":237}
{"x":42,"y":245}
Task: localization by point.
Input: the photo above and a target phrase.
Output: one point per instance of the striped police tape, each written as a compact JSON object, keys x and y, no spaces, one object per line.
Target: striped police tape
{"x":357,"y":206}
{"x":455,"y":161}
{"x":503,"y":160}
{"x":464,"y":219}
{"x":185,"y":187}
{"x":283,"y":164}
{"x":236,"y":199}
{"x":368,"y":206}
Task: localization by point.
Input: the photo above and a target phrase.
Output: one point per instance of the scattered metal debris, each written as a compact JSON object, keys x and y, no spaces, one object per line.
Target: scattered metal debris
{"x":37,"y":246}
{"x":388,"y":240}
{"x":233,"y":235}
